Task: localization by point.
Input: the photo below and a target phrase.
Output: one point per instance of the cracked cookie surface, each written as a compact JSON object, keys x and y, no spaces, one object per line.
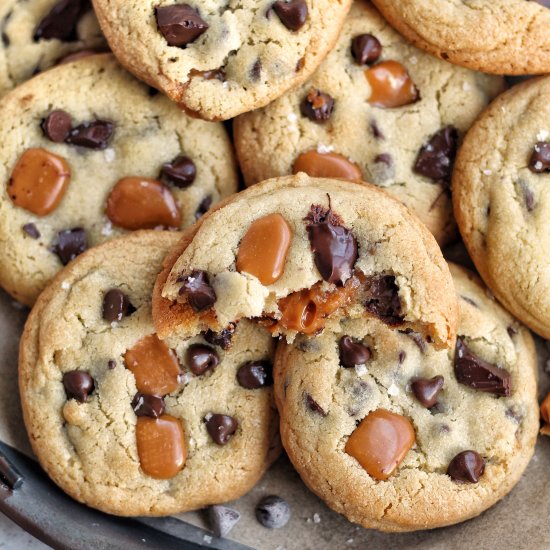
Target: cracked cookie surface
{"x":241,"y":53}
{"x":89,"y":445}
{"x":383,"y":143}
{"x":105,"y":150}
{"x":501,"y":37}
{"x":500,"y":200}
{"x":419,"y":494}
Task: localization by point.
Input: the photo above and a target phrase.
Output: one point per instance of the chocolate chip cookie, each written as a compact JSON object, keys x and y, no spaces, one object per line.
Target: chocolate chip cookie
{"x":37,"y":34}
{"x":377,"y":109}
{"x":296,"y":254}
{"x":397,"y":436}
{"x":130,"y":424}
{"x":88,"y":153}
{"x":220,"y":60}
{"x":494,"y":36}
{"x":500,"y":200}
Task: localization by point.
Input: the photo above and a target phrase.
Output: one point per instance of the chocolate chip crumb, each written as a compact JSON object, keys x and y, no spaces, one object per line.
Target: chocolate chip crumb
{"x":223,"y":338}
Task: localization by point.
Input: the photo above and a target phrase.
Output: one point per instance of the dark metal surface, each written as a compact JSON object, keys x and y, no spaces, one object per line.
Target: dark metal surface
{"x":30,"y":499}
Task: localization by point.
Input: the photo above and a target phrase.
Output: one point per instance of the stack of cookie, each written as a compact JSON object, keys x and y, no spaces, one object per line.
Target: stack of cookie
{"x":178,"y":326}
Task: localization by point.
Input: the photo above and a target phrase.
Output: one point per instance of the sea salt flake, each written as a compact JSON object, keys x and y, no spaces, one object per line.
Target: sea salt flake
{"x":360,"y":370}
{"x":487,"y":172}
{"x":322,"y":148}
{"x":292,"y":117}
{"x":109,"y":155}
{"x":543,"y":135}
{"x":316,"y":518}
{"x":207,"y":539}
{"x":65,"y":285}
{"x":107,"y":229}
{"x":393,"y":390}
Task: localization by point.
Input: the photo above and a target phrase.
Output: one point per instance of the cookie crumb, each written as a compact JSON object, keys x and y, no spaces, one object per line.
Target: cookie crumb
{"x":109,"y":155}
{"x":207,"y":539}
{"x":316,"y":518}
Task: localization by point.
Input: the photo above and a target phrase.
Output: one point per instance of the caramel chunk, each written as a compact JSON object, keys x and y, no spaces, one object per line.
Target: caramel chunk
{"x":391,"y":85}
{"x":39,"y":181}
{"x":381,"y":442}
{"x":264,"y":248}
{"x":139,"y":203}
{"x":545,"y":415}
{"x":154,"y":365}
{"x":161,"y":446}
{"x":326,"y":165}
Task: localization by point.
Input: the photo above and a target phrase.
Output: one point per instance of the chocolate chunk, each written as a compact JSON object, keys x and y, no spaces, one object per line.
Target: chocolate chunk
{"x":383,"y":300}
{"x":312,"y":405}
{"x":31,"y":230}
{"x":180,"y":24}
{"x":478,"y":374}
{"x":78,"y":385}
{"x":200,"y":358}
{"x":222,"y":338}
{"x":426,"y":390}
{"x":203,"y":207}
{"x":222,"y":519}
{"x":69,"y":244}
{"x":540,"y":158}
{"x":292,"y":13}
{"x":148,"y":405}
{"x":436,"y":159}
{"x":255,"y":374}
{"x":198,"y":291}
{"x":334,"y":247}
{"x":61,"y":21}
{"x":57,"y":125}
{"x":352,"y":353}
{"x":317,"y":106}
{"x":92,"y":135}
{"x":181,"y":172}
{"x":256,"y":70}
{"x":273,"y":512}
{"x":116,"y":305}
{"x":466,"y":467}
{"x":221,"y":427}
{"x":366,"y":49}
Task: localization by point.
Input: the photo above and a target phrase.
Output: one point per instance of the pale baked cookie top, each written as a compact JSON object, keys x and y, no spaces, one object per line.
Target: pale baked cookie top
{"x":37,"y":34}
{"x":296,"y":253}
{"x":501,"y":201}
{"x":401,"y":138}
{"x":89,"y":152}
{"x":323,"y":399}
{"x":90,"y":364}
{"x":495,"y":36}
{"x":220,"y":59}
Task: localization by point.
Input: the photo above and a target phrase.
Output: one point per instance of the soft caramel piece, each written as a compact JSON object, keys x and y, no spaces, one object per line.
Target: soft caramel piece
{"x":326,"y":165}
{"x":264,"y":248}
{"x":39,"y":181}
{"x":381,"y":442}
{"x":161,"y":446}
{"x":140,"y":203}
{"x":306,"y":310}
{"x":154,"y":365}
{"x":391,"y":85}
{"x":545,"y":415}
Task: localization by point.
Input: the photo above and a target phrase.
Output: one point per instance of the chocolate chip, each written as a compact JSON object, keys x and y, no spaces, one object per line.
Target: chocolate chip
{"x":111,"y":364}
{"x":222,"y":519}
{"x":334,"y":247}
{"x":116,"y":305}
{"x":383,"y":299}
{"x":91,"y":135}
{"x":61,"y":21}
{"x":416,"y":338}
{"x":374,"y":128}
{"x":57,"y":125}
{"x":466,"y":467}
{"x":198,"y":291}
{"x":426,"y":390}
{"x":221,"y":427}
{"x":540,"y":158}
{"x":78,"y":385}
{"x":222,"y":338}
{"x":366,"y":49}
{"x":273,"y":512}
{"x":313,"y":406}
{"x":478,"y":374}
{"x":512,"y":331}
{"x":181,"y":172}
{"x":436,"y":159}
{"x":527,"y":194}
{"x":31,"y":230}
{"x":180,"y":24}
{"x":317,"y":106}
{"x":200,"y":358}
{"x":148,"y":405}
{"x":256,"y":70}
{"x":255,"y":374}
{"x":292,"y":13}
{"x":352,"y":353}
{"x":69,"y":244}
{"x":401,"y":357}
{"x":203,"y":207}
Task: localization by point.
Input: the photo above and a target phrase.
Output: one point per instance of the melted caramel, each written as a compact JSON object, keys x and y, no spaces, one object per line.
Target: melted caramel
{"x":326,"y":165}
{"x":391,"y":85}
